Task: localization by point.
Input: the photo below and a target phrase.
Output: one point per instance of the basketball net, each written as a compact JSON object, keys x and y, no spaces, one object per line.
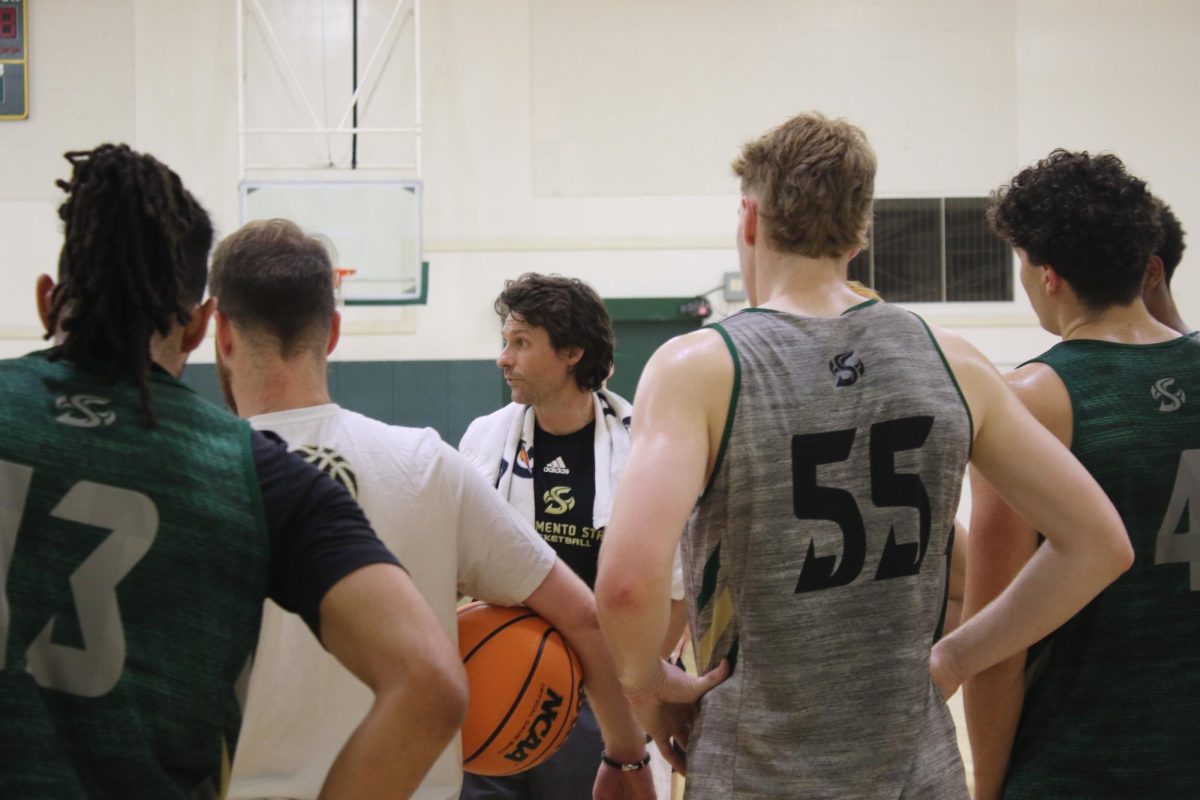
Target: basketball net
{"x":340,"y":274}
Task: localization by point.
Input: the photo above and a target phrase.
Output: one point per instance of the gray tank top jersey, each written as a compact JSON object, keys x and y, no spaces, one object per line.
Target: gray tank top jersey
{"x":817,"y":560}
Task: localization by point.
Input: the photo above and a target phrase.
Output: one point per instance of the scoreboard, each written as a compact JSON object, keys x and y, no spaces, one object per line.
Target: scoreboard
{"x":14,"y":62}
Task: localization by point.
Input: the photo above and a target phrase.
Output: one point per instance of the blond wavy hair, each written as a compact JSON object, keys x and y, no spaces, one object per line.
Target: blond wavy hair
{"x":814,"y":179}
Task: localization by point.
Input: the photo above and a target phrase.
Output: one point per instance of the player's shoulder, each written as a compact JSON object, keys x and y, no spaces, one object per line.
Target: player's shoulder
{"x":691,"y":355}
{"x":352,"y":434}
{"x":976,"y":376}
{"x":456,"y":468}
{"x":959,"y":353}
{"x":975,"y":373}
{"x":691,"y":372}
{"x":21,"y":375}
{"x":1041,"y":390}
{"x":22,"y":363}
{"x":399,"y":444}
{"x":1036,"y":385}
{"x":1035,"y":381}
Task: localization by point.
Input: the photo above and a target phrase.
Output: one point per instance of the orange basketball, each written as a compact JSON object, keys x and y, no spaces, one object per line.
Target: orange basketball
{"x":526,"y":687}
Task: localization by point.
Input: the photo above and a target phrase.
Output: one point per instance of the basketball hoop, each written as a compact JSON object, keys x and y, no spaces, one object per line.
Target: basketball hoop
{"x":340,"y":274}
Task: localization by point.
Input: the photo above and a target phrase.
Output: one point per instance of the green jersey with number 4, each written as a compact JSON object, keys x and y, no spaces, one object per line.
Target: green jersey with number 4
{"x":133,"y":563}
{"x":1113,"y":707}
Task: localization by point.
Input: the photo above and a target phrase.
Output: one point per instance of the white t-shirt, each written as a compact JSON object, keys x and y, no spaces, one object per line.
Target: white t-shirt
{"x":451,"y":531}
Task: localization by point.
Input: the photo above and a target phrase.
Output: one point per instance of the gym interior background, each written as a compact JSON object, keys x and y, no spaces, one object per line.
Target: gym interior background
{"x":593,"y":140}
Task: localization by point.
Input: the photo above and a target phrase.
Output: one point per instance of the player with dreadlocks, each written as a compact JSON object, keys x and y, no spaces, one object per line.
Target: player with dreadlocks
{"x":141,"y":529}
{"x":129,"y":296}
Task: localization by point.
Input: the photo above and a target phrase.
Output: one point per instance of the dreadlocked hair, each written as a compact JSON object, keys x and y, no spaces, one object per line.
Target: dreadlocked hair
{"x":133,"y":263}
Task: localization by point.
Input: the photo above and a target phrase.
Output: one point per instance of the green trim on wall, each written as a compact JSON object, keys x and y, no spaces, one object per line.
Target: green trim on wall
{"x":641,"y":325}
{"x":419,"y":300}
{"x":647,"y":309}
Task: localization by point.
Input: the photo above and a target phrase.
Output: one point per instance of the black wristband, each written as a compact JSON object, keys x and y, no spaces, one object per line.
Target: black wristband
{"x":625,"y":766}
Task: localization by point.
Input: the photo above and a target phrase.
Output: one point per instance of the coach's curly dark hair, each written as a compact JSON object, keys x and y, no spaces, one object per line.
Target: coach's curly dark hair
{"x":133,"y":262}
{"x":1172,"y":246}
{"x":572,"y":313}
{"x":1086,"y":217}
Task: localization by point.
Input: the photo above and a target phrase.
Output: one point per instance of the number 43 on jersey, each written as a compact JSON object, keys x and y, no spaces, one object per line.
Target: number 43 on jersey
{"x":94,"y":669}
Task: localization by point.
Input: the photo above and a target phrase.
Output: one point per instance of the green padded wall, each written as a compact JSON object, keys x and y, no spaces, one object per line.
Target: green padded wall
{"x":447,"y":395}
{"x":641,"y":324}
{"x":444,"y":395}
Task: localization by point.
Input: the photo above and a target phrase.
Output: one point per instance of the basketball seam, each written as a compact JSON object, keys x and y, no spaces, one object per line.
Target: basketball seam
{"x":524,"y":687}
{"x":488,"y":638}
{"x":562,"y":729}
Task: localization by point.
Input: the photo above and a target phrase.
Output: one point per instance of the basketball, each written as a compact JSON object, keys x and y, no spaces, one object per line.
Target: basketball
{"x":526,"y":686}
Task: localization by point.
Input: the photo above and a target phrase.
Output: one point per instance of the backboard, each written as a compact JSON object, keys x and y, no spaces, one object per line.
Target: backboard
{"x":374,"y":226}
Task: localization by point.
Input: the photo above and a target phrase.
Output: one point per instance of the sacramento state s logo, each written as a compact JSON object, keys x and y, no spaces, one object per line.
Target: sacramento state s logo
{"x":558,"y":500}
{"x":1171,"y":400}
{"x":84,"y":411}
{"x":846,"y":368}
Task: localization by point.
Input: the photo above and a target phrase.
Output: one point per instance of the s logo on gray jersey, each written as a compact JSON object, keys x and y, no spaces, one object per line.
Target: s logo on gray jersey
{"x":846,"y":368}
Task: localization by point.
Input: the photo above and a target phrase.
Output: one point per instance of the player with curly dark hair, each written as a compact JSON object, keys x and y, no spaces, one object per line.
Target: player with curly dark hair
{"x":1085,"y":215}
{"x":1156,"y":286}
{"x":1082,"y":714}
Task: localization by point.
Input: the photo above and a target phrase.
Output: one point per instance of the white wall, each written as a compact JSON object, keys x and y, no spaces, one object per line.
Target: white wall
{"x":70,"y":107}
{"x":158,"y":75}
{"x":1118,"y":76}
{"x":594,"y":139}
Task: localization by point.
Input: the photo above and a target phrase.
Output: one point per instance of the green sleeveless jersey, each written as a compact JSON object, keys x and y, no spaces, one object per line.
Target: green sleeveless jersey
{"x":133,"y":565}
{"x":1113,"y":706}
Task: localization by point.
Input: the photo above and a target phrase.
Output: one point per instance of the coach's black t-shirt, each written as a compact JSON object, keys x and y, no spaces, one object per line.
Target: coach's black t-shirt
{"x":564,"y":492}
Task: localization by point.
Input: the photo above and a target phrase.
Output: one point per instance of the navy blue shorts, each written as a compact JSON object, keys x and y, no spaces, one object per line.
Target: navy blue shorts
{"x":567,"y":775}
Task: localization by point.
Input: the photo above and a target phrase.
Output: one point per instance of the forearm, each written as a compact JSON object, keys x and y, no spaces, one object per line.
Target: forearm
{"x":633,"y":585}
{"x":1086,"y":546}
{"x":624,"y":738}
{"x":396,"y":743}
{"x":635,"y":617}
{"x":566,"y":603}
{"x":375,"y":622}
{"x":1051,"y":589}
{"x":992,"y":700}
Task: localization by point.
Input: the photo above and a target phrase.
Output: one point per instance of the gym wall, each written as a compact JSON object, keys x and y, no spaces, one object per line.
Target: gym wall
{"x":561,"y":137}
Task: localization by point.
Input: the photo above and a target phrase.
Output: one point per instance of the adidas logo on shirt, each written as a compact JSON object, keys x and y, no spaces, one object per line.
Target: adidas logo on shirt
{"x":557,"y":466}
